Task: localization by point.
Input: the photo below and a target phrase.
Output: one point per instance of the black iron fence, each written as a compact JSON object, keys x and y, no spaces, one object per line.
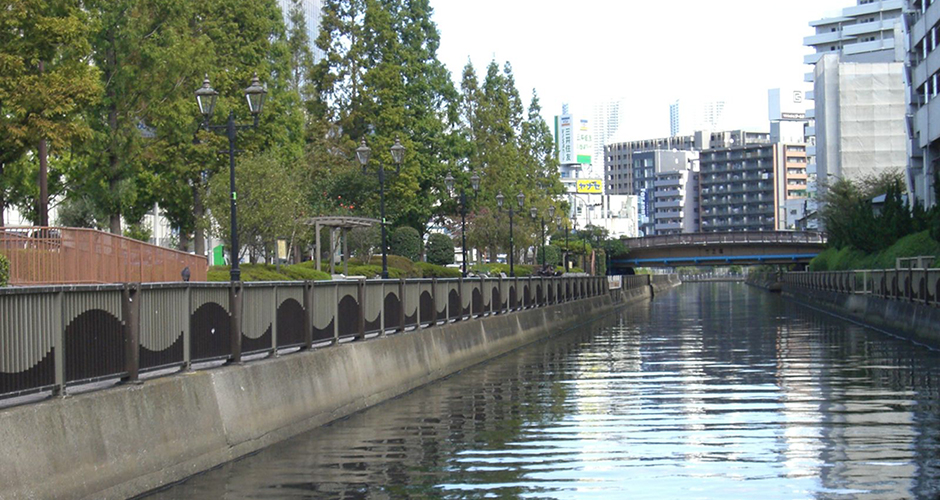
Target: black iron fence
{"x":914,"y":285}
{"x":55,"y":337}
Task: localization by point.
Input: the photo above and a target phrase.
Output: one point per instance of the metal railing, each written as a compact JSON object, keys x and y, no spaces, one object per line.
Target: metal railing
{"x":913,"y":285}
{"x":55,"y":337}
{"x":58,"y":255}
{"x":756,"y":237}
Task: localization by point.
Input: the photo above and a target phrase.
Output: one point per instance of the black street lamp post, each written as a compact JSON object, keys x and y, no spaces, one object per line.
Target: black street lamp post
{"x":363,"y":153}
{"x":566,"y":246}
{"x":534,"y":213}
{"x":205,"y":98}
{"x":499,"y":202}
{"x":475,"y":184}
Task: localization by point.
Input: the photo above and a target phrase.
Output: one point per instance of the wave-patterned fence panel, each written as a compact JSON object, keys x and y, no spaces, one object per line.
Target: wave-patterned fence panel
{"x":52,"y":337}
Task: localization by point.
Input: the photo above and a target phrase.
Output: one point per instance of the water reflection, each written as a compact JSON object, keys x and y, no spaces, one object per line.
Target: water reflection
{"x":712,"y":391}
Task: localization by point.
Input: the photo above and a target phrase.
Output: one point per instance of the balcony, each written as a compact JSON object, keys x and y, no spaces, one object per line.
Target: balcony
{"x":867,"y":28}
{"x":871,"y":8}
{"x":863,"y":47}
{"x":820,"y":38}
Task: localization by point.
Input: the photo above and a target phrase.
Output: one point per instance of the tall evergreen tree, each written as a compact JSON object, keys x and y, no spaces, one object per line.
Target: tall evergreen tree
{"x":45,"y":81}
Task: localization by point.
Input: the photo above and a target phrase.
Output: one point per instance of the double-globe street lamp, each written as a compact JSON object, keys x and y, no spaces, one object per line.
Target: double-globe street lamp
{"x":363,"y":153}
{"x":475,"y":184}
{"x":534,"y":213}
{"x":520,"y":198}
{"x":205,"y":98}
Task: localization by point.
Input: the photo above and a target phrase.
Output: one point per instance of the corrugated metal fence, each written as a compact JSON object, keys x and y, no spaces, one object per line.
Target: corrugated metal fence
{"x":54,"y":337}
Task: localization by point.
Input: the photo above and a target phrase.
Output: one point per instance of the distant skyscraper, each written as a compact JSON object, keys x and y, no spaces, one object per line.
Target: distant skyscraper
{"x":606,"y":123}
{"x":312,"y":10}
{"x":686,"y":117}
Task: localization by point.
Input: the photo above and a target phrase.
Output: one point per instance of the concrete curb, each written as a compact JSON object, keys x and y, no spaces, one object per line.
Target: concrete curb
{"x":127,"y":440}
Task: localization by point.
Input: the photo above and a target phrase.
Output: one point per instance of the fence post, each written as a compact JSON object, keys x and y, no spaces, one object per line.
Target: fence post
{"x":401,"y":304}
{"x":235,"y":304}
{"x":130,"y":305}
{"x":459,"y":299}
{"x":382,"y":309}
{"x":335,"y":311}
{"x":187,"y":330}
{"x":361,"y":298}
{"x":433,"y":301}
{"x":308,"y":318}
{"x":59,"y":360}
{"x":274,"y":324}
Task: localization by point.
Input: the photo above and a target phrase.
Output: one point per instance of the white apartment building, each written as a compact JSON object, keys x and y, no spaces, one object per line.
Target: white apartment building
{"x":922,"y":25}
{"x":676,"y":199}
{"x":858,"y":113}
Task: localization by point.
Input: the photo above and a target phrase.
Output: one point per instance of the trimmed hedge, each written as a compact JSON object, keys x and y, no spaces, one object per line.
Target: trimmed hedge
{"x":435,"y":271}
{"x":375,"y":271}
{"x":4,"y":271}
{"x":522,"y":270}
{"x":268,"y":272}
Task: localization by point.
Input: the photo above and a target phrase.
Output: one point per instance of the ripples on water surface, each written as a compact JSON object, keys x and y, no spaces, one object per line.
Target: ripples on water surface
{"x":710,"y":391}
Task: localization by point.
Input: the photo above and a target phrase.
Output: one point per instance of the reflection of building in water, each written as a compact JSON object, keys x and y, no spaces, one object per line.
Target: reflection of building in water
{"x":846,"y":414}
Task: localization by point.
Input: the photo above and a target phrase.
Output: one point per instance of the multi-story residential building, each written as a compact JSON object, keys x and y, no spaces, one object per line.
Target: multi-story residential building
{"x":618,"y":157}
{"x":923,"y":78}
{"x":605,"y":123}
{"x":746,"y":188}
{"x":657,"y":178}
{"x":858,"y":108}
{"x":676,"y":199}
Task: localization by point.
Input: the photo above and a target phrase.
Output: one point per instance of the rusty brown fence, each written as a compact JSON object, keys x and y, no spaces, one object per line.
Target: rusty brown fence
{"x":58,"y":255}
{"x":53,"y":337}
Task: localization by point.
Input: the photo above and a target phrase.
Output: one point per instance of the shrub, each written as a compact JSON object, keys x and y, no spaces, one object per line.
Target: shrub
{"x":440,"y":249}
{"x":435,"y":271}
{"x":375,"y":272}
{"x":914,"y":245}
{"x":821,"y":261}
{"x":250,"y":272}
{"x":552,"y":255}
{"x":304,"y":273}
{"x":601,"y":263}
{"x":521,"y":270}
{"x":406,"y":241}
{"x":4,"y":271}
{"x":396,"y":261}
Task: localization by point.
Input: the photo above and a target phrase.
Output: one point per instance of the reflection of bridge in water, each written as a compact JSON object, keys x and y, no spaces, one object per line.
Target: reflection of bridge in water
{"x":719,"y":249}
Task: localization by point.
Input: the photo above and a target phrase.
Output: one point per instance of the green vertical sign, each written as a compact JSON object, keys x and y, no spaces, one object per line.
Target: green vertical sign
{"x":218,"y":256}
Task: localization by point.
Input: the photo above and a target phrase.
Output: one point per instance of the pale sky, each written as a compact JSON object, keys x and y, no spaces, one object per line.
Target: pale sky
{"x":649,"y":53}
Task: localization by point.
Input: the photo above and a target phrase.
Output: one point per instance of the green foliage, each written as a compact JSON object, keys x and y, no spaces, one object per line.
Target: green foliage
{"x":492,"y":269}
{"x":363,"y":242}
{"x":601,"y":263}
{"x":552,"y":255}
{"x":396,"y":261}
{"x":376,"y":271}
{"x":848,"y":258}
{"x":578,"y":270}
{"x":440,"y":249}
{"x":4,"y":271}
{"x":139,"y":231}
{"x":269,"y":201}
{"x":268,"y":272}
{"x":406,"y":241}
{"x":436,"y":271}
{"x":304,"y":273}
{"x":45,"y":84}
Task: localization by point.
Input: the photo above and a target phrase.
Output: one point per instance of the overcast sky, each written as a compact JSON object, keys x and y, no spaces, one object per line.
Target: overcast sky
{"x":648,"y":52}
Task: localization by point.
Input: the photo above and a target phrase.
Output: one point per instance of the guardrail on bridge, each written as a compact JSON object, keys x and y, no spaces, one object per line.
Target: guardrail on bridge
{"x":55,"y":337}
{"x":755,"y":237}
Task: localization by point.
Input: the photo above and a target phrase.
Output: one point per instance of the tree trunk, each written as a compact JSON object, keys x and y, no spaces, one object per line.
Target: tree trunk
{"x":113,"y":161}
{"x":183,"y":245}
{"x":43,"y":175}
{"x":199,"y":238}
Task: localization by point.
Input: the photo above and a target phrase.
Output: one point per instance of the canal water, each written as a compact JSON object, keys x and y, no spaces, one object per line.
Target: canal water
{"x":711,"y":390}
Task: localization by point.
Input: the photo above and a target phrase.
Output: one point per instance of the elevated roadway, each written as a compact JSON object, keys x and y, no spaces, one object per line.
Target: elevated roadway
{"x":721,"y":249}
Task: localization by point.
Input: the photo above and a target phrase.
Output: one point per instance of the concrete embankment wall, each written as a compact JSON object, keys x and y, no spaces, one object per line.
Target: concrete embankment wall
{"x":130,"y":439}
{"x":917,"y":322}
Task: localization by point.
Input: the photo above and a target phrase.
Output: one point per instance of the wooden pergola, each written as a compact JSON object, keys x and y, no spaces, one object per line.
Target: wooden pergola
{"x":341,"y":224}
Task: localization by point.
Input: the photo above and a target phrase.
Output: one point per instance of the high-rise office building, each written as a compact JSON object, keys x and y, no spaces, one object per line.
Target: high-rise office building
{"x":605,"y":124}
{"x":687,"y":116}
{"x":923,"y":78}
{"x":312,"y":10}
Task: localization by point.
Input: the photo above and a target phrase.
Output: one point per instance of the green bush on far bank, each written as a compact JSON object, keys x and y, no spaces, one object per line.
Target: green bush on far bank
{"x":268,"y":272}
{"x":848,"y":258}
{"x":4,"y":271}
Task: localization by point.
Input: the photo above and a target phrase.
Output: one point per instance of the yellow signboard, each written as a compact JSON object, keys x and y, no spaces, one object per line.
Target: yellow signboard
{"x":590,"y":186}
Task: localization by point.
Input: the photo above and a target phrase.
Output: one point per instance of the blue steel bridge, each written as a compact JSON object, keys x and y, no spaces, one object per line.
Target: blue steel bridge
{"x":721,"y":249}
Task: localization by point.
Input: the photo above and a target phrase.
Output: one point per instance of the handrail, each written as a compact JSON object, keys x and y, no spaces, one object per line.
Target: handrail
{"x":750,"y":237}
{"x":911,"y":285}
